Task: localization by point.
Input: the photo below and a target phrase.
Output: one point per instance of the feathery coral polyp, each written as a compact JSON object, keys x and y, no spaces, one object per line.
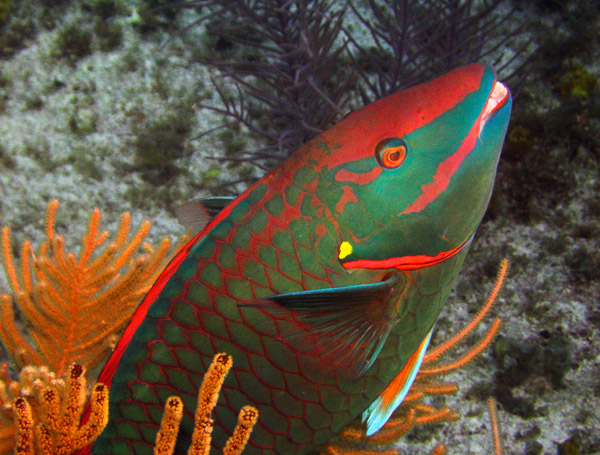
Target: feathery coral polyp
{"x":203,"y":422}
{"x":74,"y":305}
{"x":52,"y":427}
{"x":47,"y":421}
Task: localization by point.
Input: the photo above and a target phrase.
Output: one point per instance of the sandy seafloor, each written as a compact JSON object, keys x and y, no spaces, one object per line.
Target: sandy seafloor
{"x":543,"y":302}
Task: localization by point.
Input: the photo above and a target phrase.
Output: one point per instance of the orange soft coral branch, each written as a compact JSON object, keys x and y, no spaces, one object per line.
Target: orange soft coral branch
{"x":89,"y":240}
{"x":207,"y":399}
{"x":433,"y":355}
{"x":50,"y":219}
{"x":169,"y":427}
{"x":73,"y":305}
{"x":9,"y":263}
{"x":38,"y":328}
{"x":238,"y":440}
{"x":491,"y":403}
{"x":26,"y":267}
{"x":24,"y":433}
{"x":442,"y":415}
{"x":12,"y":338}
{"x":468,"y":356}
{"x":395,"y":429}
{"x":155,"y":256}
{"x":133,"y":245}
{"x":437,"y":388}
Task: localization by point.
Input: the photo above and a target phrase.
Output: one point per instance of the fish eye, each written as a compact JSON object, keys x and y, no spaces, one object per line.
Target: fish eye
{"x":391,"y":152}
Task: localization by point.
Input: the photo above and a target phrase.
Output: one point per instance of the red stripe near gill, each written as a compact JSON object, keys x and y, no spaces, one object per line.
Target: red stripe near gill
{"x":347,"y":196}
{"x":404,"y":262}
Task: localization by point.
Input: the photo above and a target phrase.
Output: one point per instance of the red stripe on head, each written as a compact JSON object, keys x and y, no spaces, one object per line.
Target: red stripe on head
{"x":397,"y":115}
{"x":344,"y":175}
{"x":347,"y":196}
{"x":444,"y":173}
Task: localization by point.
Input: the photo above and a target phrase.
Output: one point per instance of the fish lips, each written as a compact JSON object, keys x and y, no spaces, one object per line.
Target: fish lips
{"x":499,"y":98}
{"x":407,"y":262}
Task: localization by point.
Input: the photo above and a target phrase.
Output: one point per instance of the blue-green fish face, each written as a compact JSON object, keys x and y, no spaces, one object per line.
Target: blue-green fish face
{"x":416,"y":170}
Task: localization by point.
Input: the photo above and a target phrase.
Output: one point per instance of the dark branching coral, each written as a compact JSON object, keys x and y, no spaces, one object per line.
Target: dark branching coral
{"x":416,"y":41}
{"x":289,"y":82}
{"x":291,"y":69}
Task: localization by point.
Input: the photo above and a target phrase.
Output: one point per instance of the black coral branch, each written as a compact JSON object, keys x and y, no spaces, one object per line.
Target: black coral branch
{"x":288,"y":80}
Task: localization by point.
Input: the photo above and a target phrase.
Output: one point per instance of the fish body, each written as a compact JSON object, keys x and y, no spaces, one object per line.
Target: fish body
{"x":323,"y":280}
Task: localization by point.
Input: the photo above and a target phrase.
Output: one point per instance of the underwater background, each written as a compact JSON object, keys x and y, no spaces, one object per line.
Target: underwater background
{"x":126,"y":106}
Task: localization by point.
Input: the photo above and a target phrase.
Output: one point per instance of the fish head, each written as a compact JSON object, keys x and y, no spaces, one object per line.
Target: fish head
{"x":409,"y":177}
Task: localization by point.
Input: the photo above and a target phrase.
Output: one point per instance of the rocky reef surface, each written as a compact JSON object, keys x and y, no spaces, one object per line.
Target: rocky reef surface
{"x":99,"y":108}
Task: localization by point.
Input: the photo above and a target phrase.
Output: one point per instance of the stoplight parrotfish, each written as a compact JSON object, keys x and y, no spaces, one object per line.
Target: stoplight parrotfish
{"x":323,"y":280}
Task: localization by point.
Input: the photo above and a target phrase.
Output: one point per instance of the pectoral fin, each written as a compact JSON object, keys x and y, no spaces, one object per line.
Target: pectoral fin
{"x":384,"y":406}
{"x":345,"y":328}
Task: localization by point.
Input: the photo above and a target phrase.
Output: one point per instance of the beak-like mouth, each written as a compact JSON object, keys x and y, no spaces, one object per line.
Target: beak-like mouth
{"x":420,"y":261}
{"x":495,"y":101}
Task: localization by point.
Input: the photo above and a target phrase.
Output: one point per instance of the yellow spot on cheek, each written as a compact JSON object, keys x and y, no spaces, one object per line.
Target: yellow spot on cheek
{"x":345,"y":250}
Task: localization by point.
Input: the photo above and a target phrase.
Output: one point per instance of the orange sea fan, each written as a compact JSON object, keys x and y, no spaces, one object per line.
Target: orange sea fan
{"x":74,"y":306}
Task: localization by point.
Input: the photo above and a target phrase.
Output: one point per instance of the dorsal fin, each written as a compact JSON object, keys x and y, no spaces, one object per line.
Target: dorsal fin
{"x":197,"y":213}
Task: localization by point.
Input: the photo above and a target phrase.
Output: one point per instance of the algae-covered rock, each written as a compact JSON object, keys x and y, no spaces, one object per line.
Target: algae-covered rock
{"x":4,"y":10}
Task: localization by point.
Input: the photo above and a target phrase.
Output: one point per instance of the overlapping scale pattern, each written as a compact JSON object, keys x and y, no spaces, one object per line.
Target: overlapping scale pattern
{"x":279,"y":239}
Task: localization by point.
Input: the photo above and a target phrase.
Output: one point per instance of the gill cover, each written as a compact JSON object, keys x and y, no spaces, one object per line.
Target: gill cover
{"x":419,"y":170}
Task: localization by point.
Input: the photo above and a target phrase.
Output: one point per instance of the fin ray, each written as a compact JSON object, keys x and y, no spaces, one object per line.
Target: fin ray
{"x":344,"y":331}
{"x":197,"y":213}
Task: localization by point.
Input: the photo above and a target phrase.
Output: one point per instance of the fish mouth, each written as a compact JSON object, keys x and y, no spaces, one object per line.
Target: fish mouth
{"x":495,"y":101}
{"x":418,"y":261}
{"x":421,"y":261}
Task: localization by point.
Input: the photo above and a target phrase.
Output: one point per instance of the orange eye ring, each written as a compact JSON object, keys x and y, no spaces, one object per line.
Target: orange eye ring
{"x":391,"y":153}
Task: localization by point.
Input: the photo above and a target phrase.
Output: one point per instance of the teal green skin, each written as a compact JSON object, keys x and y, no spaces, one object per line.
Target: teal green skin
{"x":283,"y":236}
{"x":451,"y":216}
